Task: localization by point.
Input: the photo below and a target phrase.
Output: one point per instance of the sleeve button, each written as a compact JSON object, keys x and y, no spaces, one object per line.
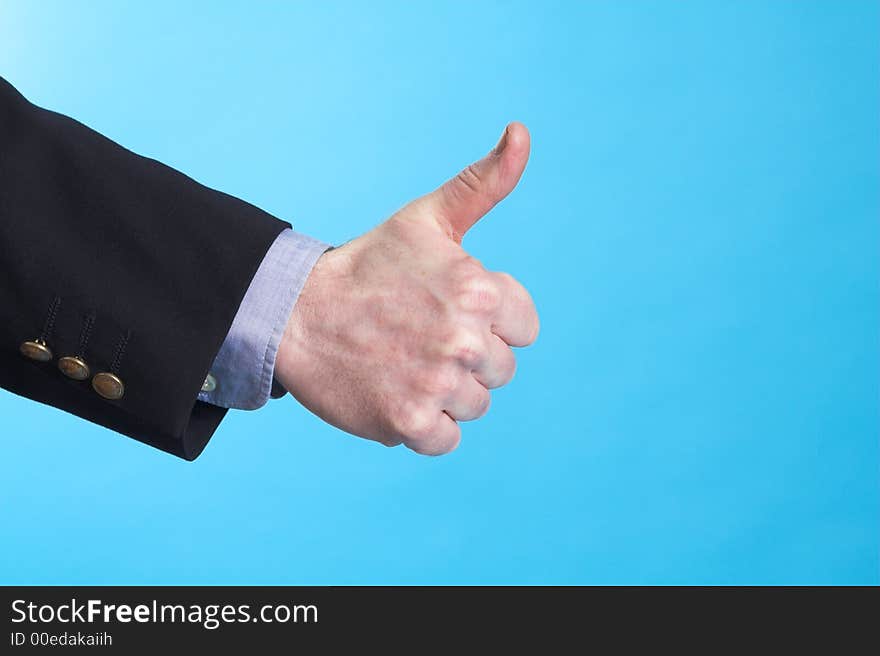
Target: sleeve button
{"x":74,"y":367}
{"x":36,"y":350}
{"x":108,"y":386}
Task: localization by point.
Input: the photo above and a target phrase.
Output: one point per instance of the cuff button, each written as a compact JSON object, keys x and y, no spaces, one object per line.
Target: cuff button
{"x":74,"y":367}
{"x":210,"y":384}
{"x":36,"y":350}
{"x":108,"y":386}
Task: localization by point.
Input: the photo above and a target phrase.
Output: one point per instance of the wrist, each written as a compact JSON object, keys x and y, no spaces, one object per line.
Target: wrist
{"x":299,"y":343}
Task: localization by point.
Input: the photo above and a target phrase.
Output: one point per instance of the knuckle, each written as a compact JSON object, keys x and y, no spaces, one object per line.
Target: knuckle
{"x":465,"y":345}
{"x":440,"y":381}
{"x":500,"y":369}
{"x":525,"y":306}
{"x":513,"y":287}
{"x":469,"y":352}
{"x":477,"y":291}
{"x":469,"y":267}
{"x":415,"y":425}
{"x":470,"y":178}
{"x":479,"y":295}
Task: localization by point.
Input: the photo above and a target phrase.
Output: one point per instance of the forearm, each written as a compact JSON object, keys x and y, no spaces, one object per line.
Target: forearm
{"x":160,"y":261}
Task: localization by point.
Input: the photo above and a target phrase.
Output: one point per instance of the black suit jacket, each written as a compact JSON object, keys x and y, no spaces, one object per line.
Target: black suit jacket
{"x":124,"y":262}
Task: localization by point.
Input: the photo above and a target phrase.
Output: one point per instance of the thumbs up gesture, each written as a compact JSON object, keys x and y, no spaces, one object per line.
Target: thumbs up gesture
{"x":400,"y":334}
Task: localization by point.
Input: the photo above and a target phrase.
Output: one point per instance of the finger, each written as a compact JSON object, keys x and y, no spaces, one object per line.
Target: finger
{"x":443,"y":436}
{"x":498,"y":367}
{"x":467,"y":197}
{"x":470,"y":401}
{"x":516,"y":320}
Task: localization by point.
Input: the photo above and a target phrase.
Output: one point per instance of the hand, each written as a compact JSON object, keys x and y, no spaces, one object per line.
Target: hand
{"x":399,"y":334}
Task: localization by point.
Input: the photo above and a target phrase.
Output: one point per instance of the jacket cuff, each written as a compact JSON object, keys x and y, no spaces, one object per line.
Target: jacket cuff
{"x":242,"y":374}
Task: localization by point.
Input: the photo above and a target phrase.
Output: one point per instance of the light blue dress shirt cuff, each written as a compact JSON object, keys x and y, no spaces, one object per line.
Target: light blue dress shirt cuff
{"x":245,"y":365}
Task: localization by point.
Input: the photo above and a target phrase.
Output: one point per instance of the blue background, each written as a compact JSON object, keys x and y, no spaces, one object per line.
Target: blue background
{"x":698,"y":226}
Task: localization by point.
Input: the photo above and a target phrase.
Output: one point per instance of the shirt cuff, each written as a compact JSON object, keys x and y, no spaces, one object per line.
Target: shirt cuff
{"x":243,"y":371}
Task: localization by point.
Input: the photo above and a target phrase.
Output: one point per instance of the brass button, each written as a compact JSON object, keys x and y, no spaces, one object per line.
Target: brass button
{"x":74,"y":367}
{"x":210,"y":384}
{"x":108,"y":385}
{"x":36,"y":350}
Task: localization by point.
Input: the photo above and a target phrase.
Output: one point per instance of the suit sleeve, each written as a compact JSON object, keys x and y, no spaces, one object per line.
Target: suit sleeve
{"x":123,"y":264}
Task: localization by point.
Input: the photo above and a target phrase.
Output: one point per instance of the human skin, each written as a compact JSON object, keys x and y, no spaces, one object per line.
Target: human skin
{"x":400,"y":334}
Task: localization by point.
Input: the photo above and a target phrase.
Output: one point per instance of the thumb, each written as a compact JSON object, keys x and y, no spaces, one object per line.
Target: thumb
{"x":467,"y":197}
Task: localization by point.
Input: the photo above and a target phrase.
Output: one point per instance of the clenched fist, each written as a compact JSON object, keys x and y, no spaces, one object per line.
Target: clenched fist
{"x":400,"y":334}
